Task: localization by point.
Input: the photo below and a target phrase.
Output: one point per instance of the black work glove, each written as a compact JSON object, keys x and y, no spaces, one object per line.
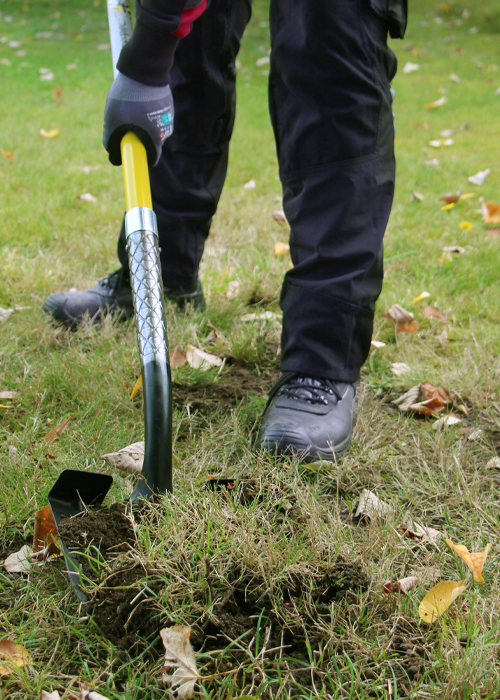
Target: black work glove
{"x":146,"y":110}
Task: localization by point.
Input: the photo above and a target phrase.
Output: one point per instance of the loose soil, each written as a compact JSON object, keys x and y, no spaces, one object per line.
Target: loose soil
{"x":237,"y":383}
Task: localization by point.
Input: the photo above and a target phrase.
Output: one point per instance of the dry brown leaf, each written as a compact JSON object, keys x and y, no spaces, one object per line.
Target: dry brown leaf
{"x":177,"y":358}
{"x":18,"y":562}
{"x":427,"y":574}
{"x":439,"y":599}
{"x":45,"y":536}
{"x":491,"y":213}
{"x":414,"y":531}
{"x":400,"y":368}
{"x":199,"y":359}
{"x":371,"y":506}
{"x":8,"y":154}
{"x":279,"y":216}
{"x":435,"y":392}
{"x":86,"y":693}
{"x":446,"y":422}
{"x":179,"y":655}
{"x":408,"y":398}
{"x":404,"y":585}
{"x":13,"y":656}
{"x":434,"y":313}
{"x":450,"y":198}
{"x":87,"y":197}
{"x":474,"y":560}
{"x":427,"y":408}
{"x":129,"y":459}
{"x":397,"y":314}
{"x":49,"y":134}
{"x":436,"y":103}
{"x":281,"y":248}
{"x":54,"y":695}
{"x":58,"y":92}
{"x":57,"y":431}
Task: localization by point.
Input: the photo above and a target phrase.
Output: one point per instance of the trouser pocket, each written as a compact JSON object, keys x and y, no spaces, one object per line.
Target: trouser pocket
{"x":395,"y":12}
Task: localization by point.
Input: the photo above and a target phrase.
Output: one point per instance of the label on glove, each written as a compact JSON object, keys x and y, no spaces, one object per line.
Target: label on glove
{"x":164,"y":122}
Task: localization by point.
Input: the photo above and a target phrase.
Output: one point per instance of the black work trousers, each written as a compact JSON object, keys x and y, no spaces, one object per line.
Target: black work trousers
{"x":330,"y":106}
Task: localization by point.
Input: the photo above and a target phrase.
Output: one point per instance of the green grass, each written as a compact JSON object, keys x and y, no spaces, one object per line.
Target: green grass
{"x":50,"y":241}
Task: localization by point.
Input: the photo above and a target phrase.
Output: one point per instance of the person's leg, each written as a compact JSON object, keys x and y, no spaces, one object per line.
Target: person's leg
{"x":187,"y":183}
{"x":330,"y":104}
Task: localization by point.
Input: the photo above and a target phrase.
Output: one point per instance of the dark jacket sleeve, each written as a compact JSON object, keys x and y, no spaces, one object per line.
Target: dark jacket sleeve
{"x":160,"y":24}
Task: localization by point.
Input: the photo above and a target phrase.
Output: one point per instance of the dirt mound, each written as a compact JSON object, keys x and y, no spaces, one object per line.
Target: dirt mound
{"x":233,"y":386}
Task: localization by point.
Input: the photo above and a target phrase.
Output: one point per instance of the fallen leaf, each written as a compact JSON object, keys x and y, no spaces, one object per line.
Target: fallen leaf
{"x":129,"y":459}
{"x":466,"y":226}
{"x":13,"y":656}
{"x":466,"y":195}
{"x":447,"y":207}
{"x":434,"y":313}
{"x":427,"y":408}
{"x":58,"y":92}
{"x":407,"y":399}
{"x":439,"y":599}
{"x":262,"y":61}
{"x":400,"y":368}
{"x":212,"y":337}
{"x":404,"y":585}
{"x":201,"y":360}
{"x":449,"y":198}
{"x":250,"y":185}
{"x":437,"y":143}
{"x":20,"y":561}
{"x":279,"y":216}
{"x":463,"y":409}
{"x":480,"y":177}
{"x":86,"y":693}
{"x":371,"y":506}
{"x":8,"y":395}
{"x":416,"y":196}
{"x":474,"y":560}
{"x":378,"y":344}
{"x":454,"y":78}
{"x":263,"y":316}
{"x":415,"y":531}
{"x":410,"y":67}
{"x":420,"y":297}
{"x":435,"y":392}
{"x":493,"y":463}
{"x":445,"y":422}
{"x":179,"y":655}
{"x":45,"y":536}
{"x":137,"y":388}
{"x":427,"y":574}
{"x":57,"y":431}
{"x":281,"y":249}
{"x":54,"y":695}
{"x":397,"y":314}
{"x":453,"y":249}
{"x":87,"y":197}
{"x":437,"y":103}
{"x":49,"y":134}
{"x":177,"y":358}
{"x":491,"y":213}
{"x":8,"y":154}
{"x":475,"y":435}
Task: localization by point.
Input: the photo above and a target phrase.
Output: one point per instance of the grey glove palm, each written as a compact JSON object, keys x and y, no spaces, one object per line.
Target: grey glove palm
{"x":146,"y":110}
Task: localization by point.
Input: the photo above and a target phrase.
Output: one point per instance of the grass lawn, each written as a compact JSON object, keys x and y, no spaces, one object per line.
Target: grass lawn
{"x":280,"y":583}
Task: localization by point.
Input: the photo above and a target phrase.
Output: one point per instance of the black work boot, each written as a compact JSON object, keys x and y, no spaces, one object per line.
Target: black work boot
{"x":308,"y":416}
{"x":112,"y":294}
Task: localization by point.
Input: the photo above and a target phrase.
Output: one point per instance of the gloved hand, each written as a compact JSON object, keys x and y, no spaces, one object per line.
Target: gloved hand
{"x":146,"y":110}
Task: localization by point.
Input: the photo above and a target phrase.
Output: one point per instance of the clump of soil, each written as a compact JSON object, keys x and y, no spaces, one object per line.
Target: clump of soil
{"x":232,"y":387}
{"x":120,"y":605}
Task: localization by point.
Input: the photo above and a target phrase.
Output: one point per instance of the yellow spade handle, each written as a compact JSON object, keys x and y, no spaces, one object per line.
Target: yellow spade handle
{"x":135,"y":172}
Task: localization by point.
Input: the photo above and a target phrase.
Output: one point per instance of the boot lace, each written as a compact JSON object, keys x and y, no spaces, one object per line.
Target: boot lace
{"x":299,"y":387}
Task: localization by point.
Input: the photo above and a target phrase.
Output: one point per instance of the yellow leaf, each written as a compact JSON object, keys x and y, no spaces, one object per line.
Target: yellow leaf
{"x":474,"y":560}
{"x":281,"y":249}
{"x":420,"y":297}
{"x":8,"y":154}
{"x":437,"y":103}
{"x":467,"y":195}
{"x":439,"y":599}
{"x":13,"y":655}
{"x":466,"y":226}
{"x":49,"y":134}
{"x":57,"y":431}
{"x":446,"y":257}
{"x":447,"y":207}
{"x":137,"y":388}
